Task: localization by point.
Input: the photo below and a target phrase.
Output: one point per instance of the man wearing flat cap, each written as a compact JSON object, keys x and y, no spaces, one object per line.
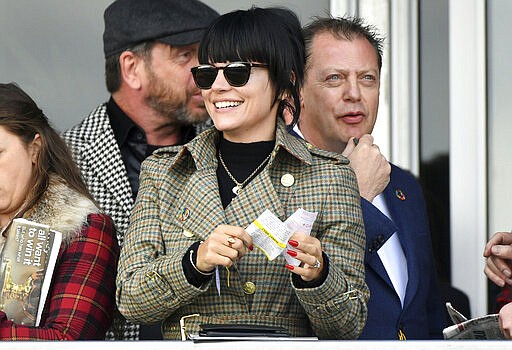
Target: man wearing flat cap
{"x":149,"y":46}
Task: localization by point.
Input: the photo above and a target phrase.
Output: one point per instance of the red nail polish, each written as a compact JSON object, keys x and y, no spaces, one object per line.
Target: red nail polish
{"x":289,"y":267}
{"x":292,"y":253}
{"x":293,"y":243}
{"x":251,"y":247}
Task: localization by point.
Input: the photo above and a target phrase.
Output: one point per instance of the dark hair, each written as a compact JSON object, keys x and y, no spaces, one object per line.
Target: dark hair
{"x":343,"y":28}
{"x":265,"y":35}
{"x":20,"y":115}
{"x":113,"y":76}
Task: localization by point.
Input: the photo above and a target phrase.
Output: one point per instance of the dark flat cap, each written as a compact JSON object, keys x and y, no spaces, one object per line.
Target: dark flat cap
{"x":174,"y":22}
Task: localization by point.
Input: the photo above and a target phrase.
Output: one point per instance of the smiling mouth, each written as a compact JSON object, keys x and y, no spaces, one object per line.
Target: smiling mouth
{"x":227,"y":104}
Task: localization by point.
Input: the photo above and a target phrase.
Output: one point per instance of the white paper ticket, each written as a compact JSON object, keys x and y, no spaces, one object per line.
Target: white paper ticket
{"x":271,"y":235}
{"x":300,"y":221}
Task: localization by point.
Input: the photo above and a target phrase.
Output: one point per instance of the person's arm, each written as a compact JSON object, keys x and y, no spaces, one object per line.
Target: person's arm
{"x":337,"y":308}
{"x":151,"y":282}
{"x":81,"y":300}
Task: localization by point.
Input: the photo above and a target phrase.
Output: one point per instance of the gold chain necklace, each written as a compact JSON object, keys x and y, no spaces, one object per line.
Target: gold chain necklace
{"x":240,"y":185}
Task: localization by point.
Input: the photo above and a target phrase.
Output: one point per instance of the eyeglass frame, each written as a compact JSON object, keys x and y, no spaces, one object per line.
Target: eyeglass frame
{"x":248,"y":65}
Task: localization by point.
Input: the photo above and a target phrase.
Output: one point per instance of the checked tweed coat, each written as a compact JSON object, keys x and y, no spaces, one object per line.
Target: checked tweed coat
{"x":98,"y":157}
{"x":152,"y":287}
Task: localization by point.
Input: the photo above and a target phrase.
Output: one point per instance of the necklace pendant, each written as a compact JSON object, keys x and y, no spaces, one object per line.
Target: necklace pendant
{"x":236,"y":190}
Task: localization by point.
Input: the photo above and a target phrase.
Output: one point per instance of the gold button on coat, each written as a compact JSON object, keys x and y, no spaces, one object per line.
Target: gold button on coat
{"x":249,"y":287}
{"x":287,"y":180}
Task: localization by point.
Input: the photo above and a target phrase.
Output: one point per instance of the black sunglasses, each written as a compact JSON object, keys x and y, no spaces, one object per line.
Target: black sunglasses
{"x":236,"y":73}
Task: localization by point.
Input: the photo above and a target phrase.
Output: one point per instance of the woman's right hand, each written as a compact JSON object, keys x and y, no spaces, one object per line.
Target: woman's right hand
{"x":225,"y":245}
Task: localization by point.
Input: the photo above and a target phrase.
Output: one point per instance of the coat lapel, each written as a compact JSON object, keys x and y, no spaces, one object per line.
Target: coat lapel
{"x":378,"y":229}
{"x":399,"y":208}
{"x":201,"y":191}
{"x":195,"y":174}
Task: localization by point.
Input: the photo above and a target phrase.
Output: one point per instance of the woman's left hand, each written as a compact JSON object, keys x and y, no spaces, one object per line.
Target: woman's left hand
{"x":309,"y":253}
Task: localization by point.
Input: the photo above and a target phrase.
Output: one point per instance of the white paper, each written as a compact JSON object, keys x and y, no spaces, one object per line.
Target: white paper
{"x":300,"y":221}
{"x":485,"y":327}
{"x":271,"y":235}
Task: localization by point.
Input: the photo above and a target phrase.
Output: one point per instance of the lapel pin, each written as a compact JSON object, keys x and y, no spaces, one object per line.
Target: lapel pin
{"x":399,"y":194}
{"x":185,"y":213}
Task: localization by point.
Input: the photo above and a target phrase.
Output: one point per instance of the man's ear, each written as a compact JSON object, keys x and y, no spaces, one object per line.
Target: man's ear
{"x":132,"y":68}
{"x":35,"y":148}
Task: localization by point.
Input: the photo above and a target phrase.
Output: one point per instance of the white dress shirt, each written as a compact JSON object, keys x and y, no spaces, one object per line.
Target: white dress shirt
{"x":392,"y":255}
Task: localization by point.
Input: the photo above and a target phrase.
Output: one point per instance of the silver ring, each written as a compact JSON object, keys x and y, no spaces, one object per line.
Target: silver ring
{"x":317,"y":264}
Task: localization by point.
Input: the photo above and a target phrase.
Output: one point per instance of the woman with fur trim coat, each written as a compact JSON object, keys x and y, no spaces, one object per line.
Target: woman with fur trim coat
{"x":40,"y":182}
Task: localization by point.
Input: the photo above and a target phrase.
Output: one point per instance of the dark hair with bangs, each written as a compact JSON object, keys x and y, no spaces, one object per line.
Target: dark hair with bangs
{"x":266,"y":35}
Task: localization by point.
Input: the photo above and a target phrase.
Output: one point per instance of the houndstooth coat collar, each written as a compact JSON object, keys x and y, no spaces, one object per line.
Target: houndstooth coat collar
{"x":98,"y":157}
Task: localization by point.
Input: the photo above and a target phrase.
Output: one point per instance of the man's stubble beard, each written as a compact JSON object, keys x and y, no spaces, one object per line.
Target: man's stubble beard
{"x":185,"y":116}
{"x":169,"y":105}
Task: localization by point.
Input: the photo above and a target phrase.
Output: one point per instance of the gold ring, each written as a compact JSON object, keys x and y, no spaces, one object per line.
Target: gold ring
{"x":231,"y":241}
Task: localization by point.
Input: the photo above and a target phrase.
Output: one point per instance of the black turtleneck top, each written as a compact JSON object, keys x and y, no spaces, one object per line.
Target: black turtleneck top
{"x":241,"y":159}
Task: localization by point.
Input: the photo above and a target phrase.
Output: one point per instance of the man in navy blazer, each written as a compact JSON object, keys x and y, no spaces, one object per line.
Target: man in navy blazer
{"x":340,"y":103}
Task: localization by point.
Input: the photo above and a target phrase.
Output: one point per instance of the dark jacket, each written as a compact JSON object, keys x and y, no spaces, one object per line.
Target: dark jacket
{"x":422,"y":316}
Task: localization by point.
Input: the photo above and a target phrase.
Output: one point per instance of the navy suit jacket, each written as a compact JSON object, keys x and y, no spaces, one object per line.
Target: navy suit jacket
{"x":422,"y":316}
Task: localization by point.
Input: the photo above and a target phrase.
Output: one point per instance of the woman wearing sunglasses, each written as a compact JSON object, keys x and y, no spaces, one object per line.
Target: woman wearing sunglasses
{"x":187,"y":258}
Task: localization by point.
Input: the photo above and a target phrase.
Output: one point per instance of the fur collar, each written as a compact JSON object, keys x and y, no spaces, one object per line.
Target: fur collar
{"x":63,"y":209}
